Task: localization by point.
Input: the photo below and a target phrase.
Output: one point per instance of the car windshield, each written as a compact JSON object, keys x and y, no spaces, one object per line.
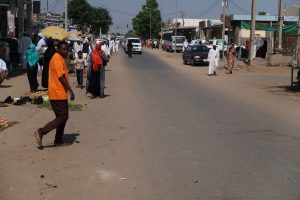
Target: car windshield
{"x":179,"y":40}
{"x":220,"y":42}
{"x":199,"y":48}
{"x":135,"y":41}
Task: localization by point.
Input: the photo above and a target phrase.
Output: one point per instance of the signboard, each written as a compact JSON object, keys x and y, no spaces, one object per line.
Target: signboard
{"x":4,"y":2}
{"x":202,"y":24}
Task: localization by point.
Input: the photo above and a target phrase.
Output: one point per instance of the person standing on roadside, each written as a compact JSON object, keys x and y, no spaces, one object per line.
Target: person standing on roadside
{"x":32,"y":56}
{"x":80,"y":67}
{"x":3,"y":71}
{"x":230,"y":57}
{"x":24,"y":43}
{"x":96,"y":84}
{"x":47,"y":58}
{"x":213,"y":57}
{"x":57,"y":88}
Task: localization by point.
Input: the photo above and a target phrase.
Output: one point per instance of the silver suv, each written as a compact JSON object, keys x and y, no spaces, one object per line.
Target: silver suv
{"x":136,"y":43}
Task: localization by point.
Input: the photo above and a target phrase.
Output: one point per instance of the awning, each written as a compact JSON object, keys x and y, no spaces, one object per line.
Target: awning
{"x":291,"y":28}
{"x":4,"y":2}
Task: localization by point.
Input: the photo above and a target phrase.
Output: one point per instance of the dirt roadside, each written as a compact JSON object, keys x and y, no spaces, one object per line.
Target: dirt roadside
{"x":26,"y":173}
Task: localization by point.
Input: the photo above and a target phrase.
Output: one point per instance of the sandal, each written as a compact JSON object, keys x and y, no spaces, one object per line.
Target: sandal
{"x":38,"y":139}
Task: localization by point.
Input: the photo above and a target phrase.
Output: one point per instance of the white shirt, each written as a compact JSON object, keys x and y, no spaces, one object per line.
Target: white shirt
{"x":40,"y":44}
{"x":213,"y":54}
{"x":2,"y":65}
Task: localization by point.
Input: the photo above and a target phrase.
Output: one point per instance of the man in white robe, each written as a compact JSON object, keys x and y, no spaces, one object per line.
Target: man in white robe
{"x":213,"y":57}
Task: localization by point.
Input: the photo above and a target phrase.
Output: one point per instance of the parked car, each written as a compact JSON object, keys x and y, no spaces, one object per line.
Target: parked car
{"x":196,"y":42}
{"x":137,"y":45}
{"x":195,"y":54}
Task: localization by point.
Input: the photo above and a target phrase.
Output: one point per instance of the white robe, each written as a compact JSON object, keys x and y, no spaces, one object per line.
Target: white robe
{"x":213,"y":57}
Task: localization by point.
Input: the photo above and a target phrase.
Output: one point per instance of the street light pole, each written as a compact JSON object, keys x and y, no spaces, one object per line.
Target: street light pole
{"x":176,"y":25}
{"x":253,"y":22}
{"x":224,"y":25}
{"x":66,"y":14}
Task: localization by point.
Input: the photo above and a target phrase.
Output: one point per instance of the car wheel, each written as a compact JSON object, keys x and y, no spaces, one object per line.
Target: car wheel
{"x":193,"y":62}
{"x":140,"y":53}
{"x":184,"y":61}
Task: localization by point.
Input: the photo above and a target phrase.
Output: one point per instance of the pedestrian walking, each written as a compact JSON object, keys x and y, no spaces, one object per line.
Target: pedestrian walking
{"x":185,"y":45}
{"x":58,"y":89}
{"x":76,"y":48}
{"x":32,"y":56}
{"x":80,"y":67}
{"x":213,"y":57}
{"x":47,"y":57}
{"x":230,"y":57}
{"x":24,"y":43}
{"x":3,"y":71}
{"x":96,"y":73}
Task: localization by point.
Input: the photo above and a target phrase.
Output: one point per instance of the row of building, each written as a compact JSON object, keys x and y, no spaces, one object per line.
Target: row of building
{"x":238,"y":28}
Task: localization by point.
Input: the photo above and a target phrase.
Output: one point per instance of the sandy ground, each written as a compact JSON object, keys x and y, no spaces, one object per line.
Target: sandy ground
{"x":25,"y":171}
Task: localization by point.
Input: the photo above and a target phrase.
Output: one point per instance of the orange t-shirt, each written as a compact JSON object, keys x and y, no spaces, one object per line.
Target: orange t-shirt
{"x":57,"y":68}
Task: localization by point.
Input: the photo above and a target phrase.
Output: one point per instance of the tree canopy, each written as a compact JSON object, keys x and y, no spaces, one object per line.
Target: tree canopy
{"x":149,"y":18}
{"x":84,"y":14}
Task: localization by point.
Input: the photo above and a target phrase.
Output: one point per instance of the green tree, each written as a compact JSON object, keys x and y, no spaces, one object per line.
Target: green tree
{"x":262,"y":13}
{"x":149,"y":16}
{"x":84,"y":14}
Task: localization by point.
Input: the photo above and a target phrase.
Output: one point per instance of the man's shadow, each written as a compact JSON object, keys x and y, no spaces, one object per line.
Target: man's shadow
{"x":70,"y":138}
{"x":5,"y":86}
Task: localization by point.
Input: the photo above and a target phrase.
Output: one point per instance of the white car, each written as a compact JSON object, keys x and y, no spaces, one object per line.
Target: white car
{"x":136,"y":43}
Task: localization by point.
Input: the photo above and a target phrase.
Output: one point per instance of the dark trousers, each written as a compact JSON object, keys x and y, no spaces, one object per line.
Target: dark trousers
{"x":102,"y":81}
{"x":79,"y":73}
{"x":32,"y":78}
{"x":61,"y":111}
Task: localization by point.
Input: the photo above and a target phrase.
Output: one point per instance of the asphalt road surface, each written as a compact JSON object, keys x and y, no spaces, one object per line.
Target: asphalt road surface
{"x":158,"y":135}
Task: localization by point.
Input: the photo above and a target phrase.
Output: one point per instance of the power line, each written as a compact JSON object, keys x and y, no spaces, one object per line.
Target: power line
{"x":211,"y":8}
{"x":239,"y":7}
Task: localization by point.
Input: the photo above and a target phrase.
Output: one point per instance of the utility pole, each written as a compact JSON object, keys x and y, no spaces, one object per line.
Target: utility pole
{"x":29,"y":17}
{"x":253,"y":20}
{"x":20,"y":18}
{"x":280,"y":14}
{"x":176,"y":26}
{"x":225,"y":2}
{"x":66,"y":14}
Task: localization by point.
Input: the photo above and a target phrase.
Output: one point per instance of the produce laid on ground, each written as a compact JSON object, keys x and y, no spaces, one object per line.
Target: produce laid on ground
{"x":38,"y":98}
{"x":4,"y":123}
{"x":72,"y":106}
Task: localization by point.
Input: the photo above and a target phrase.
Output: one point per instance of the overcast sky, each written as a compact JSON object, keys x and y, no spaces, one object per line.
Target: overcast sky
{"x":122,"y":11}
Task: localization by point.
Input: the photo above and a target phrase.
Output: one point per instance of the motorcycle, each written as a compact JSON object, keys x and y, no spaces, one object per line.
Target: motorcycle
{"x":129,"y":52}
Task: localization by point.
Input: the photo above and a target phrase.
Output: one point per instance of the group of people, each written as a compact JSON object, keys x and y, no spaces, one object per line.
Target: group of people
{"x":58,"y":84}
{"x":213,"y":57}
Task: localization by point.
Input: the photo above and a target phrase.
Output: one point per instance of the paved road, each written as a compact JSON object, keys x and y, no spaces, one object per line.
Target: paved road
{"x":159,"y":135}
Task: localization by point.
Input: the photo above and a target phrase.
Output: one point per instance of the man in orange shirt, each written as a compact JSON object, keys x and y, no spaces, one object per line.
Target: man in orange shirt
{"x":58,"y":86}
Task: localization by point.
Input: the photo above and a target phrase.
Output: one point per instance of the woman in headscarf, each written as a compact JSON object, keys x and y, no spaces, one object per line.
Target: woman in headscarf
{"x":47,"y":57}
{"x":94,"y":77}
{"x":32,"y":56}
{"x":230,"y":56}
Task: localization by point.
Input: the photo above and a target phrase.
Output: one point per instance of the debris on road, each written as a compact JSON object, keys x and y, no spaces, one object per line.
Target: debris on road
{"x":4,"y":123}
